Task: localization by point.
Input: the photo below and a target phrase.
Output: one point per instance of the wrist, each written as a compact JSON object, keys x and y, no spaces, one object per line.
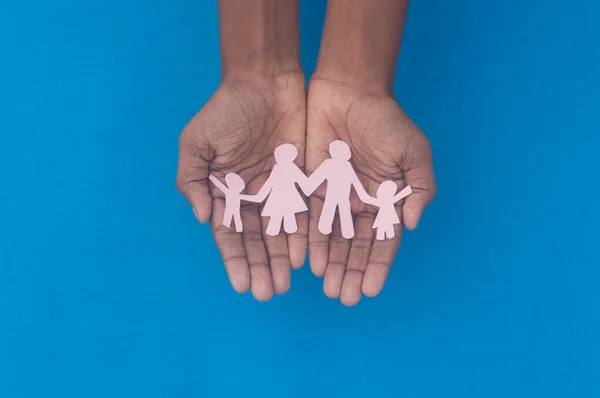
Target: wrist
{"x":264,"y":74}
{"x":261,"y":68}
{"x":286,"y":83}
{"x":356,"y":78}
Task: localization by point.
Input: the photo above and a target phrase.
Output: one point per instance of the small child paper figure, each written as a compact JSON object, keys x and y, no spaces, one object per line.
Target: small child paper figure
{"x":387,"y":216}
{"x":233,"y":198}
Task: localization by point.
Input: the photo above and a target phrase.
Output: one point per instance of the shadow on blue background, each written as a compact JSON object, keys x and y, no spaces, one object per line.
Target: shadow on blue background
{"x":109,"y":288}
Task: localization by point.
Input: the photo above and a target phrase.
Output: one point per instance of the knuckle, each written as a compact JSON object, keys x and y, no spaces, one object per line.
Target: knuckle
{"x":254,"y":264}
{"x":355,"y":271}
{"x":232,"y":259}
{"x":336,"y":264}
{"x":361,"y":245}
{"x":379,"y":264}
{"x":223,"y":234}
{"x":338,"y":240}
{"x":318,"y":244}
{"x":279,"y":260}
{"x":252,"y":236}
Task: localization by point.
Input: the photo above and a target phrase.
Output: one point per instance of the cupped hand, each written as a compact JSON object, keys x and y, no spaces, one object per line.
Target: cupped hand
{"x":385,"y":145}
{"x":237,"y":131}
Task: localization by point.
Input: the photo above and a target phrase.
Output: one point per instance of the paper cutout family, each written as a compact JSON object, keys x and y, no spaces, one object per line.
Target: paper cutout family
{"x":284,"y":201}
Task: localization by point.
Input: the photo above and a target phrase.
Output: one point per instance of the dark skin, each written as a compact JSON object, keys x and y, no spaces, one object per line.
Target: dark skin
{"x":262,"y":103}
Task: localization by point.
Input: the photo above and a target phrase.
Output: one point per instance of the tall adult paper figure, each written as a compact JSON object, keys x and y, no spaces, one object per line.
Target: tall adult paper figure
{"x":340,"y":177}
{"x":284,"y":200}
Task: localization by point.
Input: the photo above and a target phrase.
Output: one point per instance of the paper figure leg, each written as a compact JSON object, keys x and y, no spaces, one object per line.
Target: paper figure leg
{"x":274,"y":225}
{"x":289,"y":223}
{"x":380,"y":233}
{"x":326,"y":219}
{"x":227,"y":216}
{"x":389,"y":232}
{"x":346,"y":221}
{"x":237,"y":220}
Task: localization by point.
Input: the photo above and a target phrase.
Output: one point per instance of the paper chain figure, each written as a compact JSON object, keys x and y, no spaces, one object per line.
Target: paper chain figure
{"x":284,"y":200}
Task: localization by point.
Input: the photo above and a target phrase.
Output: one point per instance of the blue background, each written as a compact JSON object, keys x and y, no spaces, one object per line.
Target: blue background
{"x":109,"y":288}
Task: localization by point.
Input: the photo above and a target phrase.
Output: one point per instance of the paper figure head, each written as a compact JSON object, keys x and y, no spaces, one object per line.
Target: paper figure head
{"x":386,"y":190}
{"x":339,"y":150}
{"x":285,"y":153}
{"x":234,"y":182}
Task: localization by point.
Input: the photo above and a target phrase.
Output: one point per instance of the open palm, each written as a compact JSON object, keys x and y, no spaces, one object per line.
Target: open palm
{"x":385,"y":145}
{"x":237,"y":131}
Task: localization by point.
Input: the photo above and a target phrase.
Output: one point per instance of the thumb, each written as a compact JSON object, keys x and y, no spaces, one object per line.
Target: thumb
{"x":192,"y":178}
{"x":422,"y":181}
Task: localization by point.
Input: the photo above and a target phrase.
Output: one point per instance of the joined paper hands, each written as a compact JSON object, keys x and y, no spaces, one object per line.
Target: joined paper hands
{"x":284,"y":201}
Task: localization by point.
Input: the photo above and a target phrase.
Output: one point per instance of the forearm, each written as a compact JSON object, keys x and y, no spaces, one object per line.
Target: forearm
{"x":259,"y":37}
{"x":361,"y":42}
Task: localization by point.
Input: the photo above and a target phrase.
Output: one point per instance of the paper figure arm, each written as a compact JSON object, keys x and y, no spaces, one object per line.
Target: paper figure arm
{"x":262,"y":193}
{"x":303,"y":182}
{"x":250,"y":198}
{"x":403,"y":194}
{"x":362,"y":193}
{"x":219,"y":184}
{"x":316,"y":179}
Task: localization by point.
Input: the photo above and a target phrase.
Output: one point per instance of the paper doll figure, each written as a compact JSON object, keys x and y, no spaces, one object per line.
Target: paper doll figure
{"x":284,"y":200}
{"x":233,"y":199}
{"x":340,"y":177}
{"x":387,"y":216}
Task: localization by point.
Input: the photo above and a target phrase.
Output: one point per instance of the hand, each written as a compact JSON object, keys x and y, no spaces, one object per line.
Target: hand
{"x":385,"y":145}
{"x":237,"y":131}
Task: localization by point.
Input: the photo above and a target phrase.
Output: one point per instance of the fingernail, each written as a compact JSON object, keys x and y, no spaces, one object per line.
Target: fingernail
{"x":195,"y":214}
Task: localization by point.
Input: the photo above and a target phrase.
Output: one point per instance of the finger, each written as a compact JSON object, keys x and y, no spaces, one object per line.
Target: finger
{"x":339,"y":247}
{"x":318,"y":244}
{"x":298,"y":241}
{"x":279,"y":259}
{"x":380,"y":261}
{"x":419,"y":175}
{"x":360,"y":250}
{"x":192,"y":177}
{"x":256,"y":254}
{"x":319,"y":135}
{"x":232,"y":249}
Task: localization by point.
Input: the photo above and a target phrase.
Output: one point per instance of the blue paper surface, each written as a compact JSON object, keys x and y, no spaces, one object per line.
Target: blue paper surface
{"x":110,"y":288}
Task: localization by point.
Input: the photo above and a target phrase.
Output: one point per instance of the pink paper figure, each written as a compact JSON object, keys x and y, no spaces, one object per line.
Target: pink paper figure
{"x":341,"y":177}
{"x":233,"y":199}
{"x":387,"y":216}
{"x":284,"y":199}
